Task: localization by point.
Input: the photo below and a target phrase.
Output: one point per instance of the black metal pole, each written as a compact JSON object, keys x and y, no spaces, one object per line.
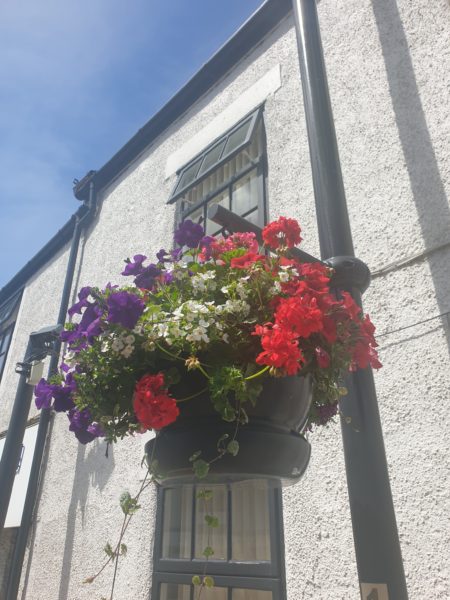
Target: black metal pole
{"x":377,"y":547}
{"x":45,"y":416}
{"x":14,"y":437}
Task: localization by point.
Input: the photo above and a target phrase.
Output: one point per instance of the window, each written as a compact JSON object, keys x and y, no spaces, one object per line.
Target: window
{"x":248,"y":544}
{"x":248,"y":561}
{"x":230,"y":172}
{"x":8,"y":314}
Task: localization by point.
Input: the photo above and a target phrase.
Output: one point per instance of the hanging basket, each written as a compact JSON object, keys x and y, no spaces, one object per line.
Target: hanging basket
{"x":270,"y":445}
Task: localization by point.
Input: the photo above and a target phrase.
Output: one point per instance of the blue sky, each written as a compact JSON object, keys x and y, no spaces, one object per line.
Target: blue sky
{"x":78,"y":79}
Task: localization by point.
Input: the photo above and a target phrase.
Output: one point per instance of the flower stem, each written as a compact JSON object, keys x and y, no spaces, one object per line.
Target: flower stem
{"x":192,"y":396}
{"x":255,"y":375}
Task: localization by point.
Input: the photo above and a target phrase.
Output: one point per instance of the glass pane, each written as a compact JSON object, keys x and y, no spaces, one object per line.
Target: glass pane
{"x":215,"y":593}
{"x":250,"y":521}
{"x":222,"y":199}
{"x":254,"y":217}
{"x":177,"y":522}
{"x":211,"y":157}
{"x":189,"y":175}
{"x":173,"y":591}
{"x":242,"y":594}
{"x":216,"y":537}
{"x":237,"y":137}
{"x":197,"y":216}
{"x":245,"y":193}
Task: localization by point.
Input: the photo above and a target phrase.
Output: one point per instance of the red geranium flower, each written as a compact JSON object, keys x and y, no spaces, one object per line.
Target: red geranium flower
{"x":281,"y":349}
{"x":153,"y":406}
{"x":282,"y":233}
{"x":246,"y":261}
{"x":299,"y":314}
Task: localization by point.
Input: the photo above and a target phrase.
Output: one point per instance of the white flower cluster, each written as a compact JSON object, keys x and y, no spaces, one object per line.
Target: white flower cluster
{"x":123,"y":344}
{"x":238,"y":308}
{"x":203,"y":282}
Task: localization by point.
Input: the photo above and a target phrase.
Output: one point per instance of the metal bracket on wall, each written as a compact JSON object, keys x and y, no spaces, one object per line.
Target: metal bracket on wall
{"x":349,"y":272}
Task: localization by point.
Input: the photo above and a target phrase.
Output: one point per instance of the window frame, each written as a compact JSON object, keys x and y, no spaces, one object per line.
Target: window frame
{"x":262,"y":575}
{"x":255,"y":116}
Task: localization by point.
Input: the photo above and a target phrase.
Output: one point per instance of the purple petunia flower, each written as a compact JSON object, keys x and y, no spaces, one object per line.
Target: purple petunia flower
{"x":168,"y":277}
{"x":81,"y":424}
{"x":63,"y":394}
{"x":44,"y":394}
{"x":146,"y":279}
{"x":83,"y":301}
{"x":134,"y":268}
{"x":162,"y":256}
{"x":176,"y":254}
{"x":90,"y":324}
{"x":124,"y":308}
{"x":189,"y":234}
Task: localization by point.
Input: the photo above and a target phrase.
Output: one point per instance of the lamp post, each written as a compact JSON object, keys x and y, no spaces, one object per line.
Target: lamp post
{"x":40,"y":344}
{"x":377,"y":547}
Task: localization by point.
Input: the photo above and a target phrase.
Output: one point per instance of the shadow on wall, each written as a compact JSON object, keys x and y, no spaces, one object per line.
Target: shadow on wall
{"x":92,"y":470}
{"x":426,"y":184}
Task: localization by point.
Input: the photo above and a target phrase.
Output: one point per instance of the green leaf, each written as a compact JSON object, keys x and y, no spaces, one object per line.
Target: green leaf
{"x":212,"y":521}
{"x":201,"y":468}
{"x":204,"y":495}
{"x":123,"y":549}
{"x":208,"y":551}
{"x":195,"y":456}
{"x":108,"y":550}
{"x":233,"y":447}
{"x":208,"y":581}
{"x":196,"y":580}
{"x":128,"y":504}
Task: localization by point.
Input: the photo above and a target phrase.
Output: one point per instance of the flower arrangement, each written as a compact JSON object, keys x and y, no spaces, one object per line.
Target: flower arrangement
{"x":224,"y":308}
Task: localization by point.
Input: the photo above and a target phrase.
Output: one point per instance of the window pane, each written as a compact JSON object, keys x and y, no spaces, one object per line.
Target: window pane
{"x":237,"y":137}
{"x":241,"y":594}
{"x":212,"y":157}
{"x":222,"y":199}
{"x":250,"y":521}
{"x":197,"y":216}
{"x":177,"y":522}
{"x":254,"y":217}
{"x":245,"y":193}
{"x":216,"y":537}
{"x":189,"y":175}
{"x":215,"y":593}
{"x":173,"y":591}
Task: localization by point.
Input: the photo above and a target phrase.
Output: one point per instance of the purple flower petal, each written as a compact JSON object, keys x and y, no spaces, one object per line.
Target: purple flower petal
{"x":124,"y":308}
{"x":189,"y":234}
{"x":146,"y":279}
{"x":134,"y":268}
{"x":44,"y":394}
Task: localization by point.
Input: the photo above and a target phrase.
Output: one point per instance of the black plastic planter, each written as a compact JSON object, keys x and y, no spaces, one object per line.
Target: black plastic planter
{"x":270,"y":445}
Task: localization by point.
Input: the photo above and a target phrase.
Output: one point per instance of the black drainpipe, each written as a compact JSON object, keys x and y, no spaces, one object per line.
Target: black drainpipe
{"x":46,"y":414}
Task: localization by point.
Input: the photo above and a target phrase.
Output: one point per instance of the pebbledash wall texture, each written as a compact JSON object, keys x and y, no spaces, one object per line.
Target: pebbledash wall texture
{"x":388,"y":64}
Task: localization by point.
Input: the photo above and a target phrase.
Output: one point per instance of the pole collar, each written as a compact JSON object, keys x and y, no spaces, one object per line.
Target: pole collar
{"x":349,"y":272}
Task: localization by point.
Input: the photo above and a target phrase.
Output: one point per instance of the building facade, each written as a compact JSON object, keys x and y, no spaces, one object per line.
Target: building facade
{"x":236,"y":135}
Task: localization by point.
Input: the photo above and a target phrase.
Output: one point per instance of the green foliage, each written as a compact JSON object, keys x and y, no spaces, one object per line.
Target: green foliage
{"x":201,"y":468}
{"x":212,"y":521}
{"x":208,"y":581}
{"x":233,"y":448}
{"x":108,"y":550}
{"x":208,"y":552}
{"x":196,"y":580}
{"x":128,"y":504}
{"x":205,"y":495}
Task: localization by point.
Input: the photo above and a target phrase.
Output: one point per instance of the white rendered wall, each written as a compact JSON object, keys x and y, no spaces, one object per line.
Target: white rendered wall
{"x":389,"y":78}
